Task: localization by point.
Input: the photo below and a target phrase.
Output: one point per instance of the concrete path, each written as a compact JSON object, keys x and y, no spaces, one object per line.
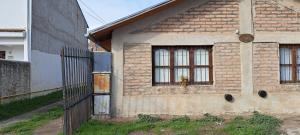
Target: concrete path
{"x":29,"y":115}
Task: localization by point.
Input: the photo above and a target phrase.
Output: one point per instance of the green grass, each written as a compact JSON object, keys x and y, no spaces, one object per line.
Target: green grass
{"x":27,"y":127}
{"x":22,"y":106}
{"x":183,"y":126}
{"x":258,"y":124}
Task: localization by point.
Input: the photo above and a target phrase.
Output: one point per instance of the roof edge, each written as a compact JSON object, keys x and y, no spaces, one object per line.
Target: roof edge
{"x":91,"y":33}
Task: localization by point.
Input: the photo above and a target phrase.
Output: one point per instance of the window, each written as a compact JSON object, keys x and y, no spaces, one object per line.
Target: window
{"x":2,"y":54}
{"x":172,"y":64}
{"x":162,"y":66}
{"x":289,"y":63}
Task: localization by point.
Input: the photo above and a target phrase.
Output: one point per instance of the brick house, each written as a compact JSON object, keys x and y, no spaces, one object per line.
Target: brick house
{"x":215,"y":48}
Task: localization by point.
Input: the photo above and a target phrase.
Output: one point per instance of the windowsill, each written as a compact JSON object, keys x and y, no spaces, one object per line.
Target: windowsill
{"x":290,"y":83}
{"x":176,"y":85}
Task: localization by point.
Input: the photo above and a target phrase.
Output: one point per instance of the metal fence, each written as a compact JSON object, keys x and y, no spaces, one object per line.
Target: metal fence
{"x":77,"y":82}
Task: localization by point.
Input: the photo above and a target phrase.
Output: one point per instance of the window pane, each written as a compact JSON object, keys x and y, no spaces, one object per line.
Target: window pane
{"x":298,"y":73}
{"x":181,"y":72}
{"x":201,"y":75}
{"x":181,"y":57}
{"x":162,"y":75}
{"x":162,"y":57}
{"x":201,"y":57}
{"x":285,"y":56}
{"x":285,"y":73}
{"x":298,"y":62}
{"x":298,"y":56}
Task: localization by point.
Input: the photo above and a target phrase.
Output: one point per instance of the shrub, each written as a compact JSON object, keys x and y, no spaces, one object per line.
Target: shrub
{"x":258,"y":124}
{"x":147,"y":118}
{"x":183,"y":119}
{"x":258,"y":118}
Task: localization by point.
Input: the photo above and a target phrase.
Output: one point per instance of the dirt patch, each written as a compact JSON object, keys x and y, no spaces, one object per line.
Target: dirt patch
{"x":141,"y":133}
{"x":291,"y":125}
{"x":52,"y":128}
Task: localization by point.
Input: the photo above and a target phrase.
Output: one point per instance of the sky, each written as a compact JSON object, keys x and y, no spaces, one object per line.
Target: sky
{"x":100,"y":12}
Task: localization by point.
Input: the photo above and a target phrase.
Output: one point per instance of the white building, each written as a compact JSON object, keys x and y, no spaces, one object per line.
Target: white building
{"x":35,"y":31}
{"x":15,"y":29}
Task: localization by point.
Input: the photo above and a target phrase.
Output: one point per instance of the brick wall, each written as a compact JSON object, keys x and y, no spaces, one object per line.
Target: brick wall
{"x":137,"y":68}
{"x":266,"y":69}
{"x":271,"y":16}
{"x":227,"y":65}
{"x":214,"y":16}
{"x":138,"y":72}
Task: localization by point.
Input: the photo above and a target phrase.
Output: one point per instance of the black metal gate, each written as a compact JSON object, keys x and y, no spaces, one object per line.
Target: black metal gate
{"x":77,"y":83}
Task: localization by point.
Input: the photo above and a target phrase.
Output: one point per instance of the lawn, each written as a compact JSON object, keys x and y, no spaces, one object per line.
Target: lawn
{"x":22,"y":106}
{"x":29,"y":126}
{"x":257,"y":124}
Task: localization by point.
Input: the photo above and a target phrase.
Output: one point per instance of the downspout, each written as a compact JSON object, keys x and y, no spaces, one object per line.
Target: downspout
{"x":29,"y":26}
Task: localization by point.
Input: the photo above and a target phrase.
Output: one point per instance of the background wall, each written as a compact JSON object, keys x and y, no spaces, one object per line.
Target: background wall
{"x":55,"y":24}
{"x":15,"y":52}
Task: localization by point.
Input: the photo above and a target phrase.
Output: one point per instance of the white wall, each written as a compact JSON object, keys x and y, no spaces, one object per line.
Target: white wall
{"x":13,"y":14}
{"x":15,"y":52}
{"x":45,"y":71}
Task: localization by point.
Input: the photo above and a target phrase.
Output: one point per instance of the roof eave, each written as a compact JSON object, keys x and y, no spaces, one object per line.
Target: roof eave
{"x":108,"y":28}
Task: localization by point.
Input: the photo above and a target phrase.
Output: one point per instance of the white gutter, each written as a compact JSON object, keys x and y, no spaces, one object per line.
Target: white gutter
{"x":27,"y":48}
{"x":21,"y":34}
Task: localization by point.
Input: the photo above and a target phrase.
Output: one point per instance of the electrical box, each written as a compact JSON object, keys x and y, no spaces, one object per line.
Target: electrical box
{"x":102,"y":62}
{"x":101,"y":104}
{"x":102,"y":69}
{"x":101,"y":83}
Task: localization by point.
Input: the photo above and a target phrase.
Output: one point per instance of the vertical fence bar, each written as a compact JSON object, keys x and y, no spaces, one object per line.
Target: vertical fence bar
{"x":76,"y":76}
{"x":64,"y":87}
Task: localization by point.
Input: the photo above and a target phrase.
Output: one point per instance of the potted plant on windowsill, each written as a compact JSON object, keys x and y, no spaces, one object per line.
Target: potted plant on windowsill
{"x":184,"y":81}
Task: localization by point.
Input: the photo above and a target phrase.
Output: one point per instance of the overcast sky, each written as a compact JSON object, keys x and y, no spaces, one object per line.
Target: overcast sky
{"x":99,"y":12}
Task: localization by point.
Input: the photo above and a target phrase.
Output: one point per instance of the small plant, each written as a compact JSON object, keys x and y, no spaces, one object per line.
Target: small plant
{"x":258,"y":118}
{"x":238,"y":118}
{"x":181,"y":119}
{"x":147,"y":118}
{"x":184,"y":81}
{"x":208,"y":118}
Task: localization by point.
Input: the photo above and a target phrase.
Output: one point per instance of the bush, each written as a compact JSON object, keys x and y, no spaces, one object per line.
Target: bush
{"x":147,"y":118}
{"x":258,"y":118}
{"x":258,"y":124}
